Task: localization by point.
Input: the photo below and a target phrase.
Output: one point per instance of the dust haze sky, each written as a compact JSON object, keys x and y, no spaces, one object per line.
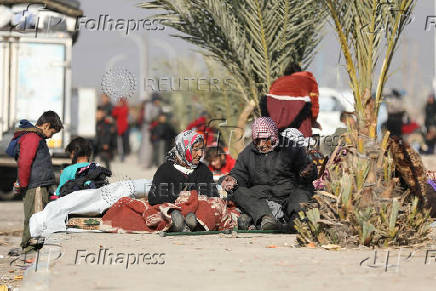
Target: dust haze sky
{"x":412,"y":67}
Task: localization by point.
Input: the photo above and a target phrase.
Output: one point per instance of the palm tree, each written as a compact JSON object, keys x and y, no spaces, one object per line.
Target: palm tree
{"x":253,"y":39}
{"x":368,"y":31}
{"x":362,"y":201}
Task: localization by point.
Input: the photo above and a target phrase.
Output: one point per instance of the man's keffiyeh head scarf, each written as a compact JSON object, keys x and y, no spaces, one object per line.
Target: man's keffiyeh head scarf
{"x":182,"y":150}
{"x":265,"y":127}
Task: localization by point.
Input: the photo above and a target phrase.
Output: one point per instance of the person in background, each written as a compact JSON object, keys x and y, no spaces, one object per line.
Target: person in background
{"x":200,"y":125}
{"x":106,"y":105}
{"x":292,"y":101}
{"x":430,"y":111}
{"x":430,"y":124}
{"x":220,"y":163}
{"x":121,"y":115}
{"x":104,"y":143}
{"x":35,"y":169}
{"x":149,"y":113}
{"x":162,"y":138}
{"x":396,"y":113}
{"x":80,"y":151}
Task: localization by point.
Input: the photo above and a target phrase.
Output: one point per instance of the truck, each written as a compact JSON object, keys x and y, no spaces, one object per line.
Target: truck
{"x":35,"y":76}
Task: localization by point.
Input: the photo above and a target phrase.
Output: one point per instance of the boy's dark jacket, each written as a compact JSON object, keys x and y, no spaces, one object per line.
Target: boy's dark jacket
{"x":30,"y":150}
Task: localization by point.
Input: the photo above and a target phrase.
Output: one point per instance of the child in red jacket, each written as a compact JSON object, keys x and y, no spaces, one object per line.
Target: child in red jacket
{"x":220,"y":163}
{"x":35,"y":170}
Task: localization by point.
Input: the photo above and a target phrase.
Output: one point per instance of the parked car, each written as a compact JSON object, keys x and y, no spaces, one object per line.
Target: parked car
{"x":331,"y":103}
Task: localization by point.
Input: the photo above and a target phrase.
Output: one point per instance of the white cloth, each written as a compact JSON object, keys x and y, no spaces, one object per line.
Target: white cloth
{"x":290,"y":98}
{"x":85,"y":202}
{"x":184,"y":170}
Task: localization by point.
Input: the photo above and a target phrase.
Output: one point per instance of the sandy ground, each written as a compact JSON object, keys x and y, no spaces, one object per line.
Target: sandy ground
{"x":221,"y":262}
{"x":213,"y":262}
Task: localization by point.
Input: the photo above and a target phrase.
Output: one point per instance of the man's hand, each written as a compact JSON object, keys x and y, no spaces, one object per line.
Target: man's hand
{"x":229,"y":183}
{"x":18,"y":189}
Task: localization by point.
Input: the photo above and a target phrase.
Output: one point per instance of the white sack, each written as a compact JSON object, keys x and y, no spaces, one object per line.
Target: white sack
{"x":85,"y":202}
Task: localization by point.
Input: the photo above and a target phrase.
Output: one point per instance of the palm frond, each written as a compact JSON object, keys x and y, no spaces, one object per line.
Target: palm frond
{"x":254,"y":39}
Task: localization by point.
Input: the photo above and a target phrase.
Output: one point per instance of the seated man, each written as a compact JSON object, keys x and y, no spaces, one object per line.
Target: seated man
{"x":272,"y":176}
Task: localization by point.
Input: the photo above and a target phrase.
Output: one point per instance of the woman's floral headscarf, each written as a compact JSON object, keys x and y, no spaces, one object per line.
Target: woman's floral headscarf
{"x":182,"y":150}
{"x":265,"y":127}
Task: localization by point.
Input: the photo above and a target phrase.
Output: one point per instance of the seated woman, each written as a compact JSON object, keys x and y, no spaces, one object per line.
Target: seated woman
{"x":183,"y":171}
{"x":272,"y":176}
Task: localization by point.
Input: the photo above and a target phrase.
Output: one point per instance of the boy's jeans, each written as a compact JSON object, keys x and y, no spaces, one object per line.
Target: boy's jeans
{"x":34,"y":201}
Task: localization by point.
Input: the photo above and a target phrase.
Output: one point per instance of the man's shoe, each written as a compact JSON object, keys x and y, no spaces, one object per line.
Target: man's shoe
{"x":269,"y":223}
{"x":191,"y":221}
{"x":244,"y":222}
{"x":178,"y":221}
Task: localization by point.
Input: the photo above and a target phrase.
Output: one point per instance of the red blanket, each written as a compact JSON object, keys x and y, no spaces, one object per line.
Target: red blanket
{"x":213,"y":213}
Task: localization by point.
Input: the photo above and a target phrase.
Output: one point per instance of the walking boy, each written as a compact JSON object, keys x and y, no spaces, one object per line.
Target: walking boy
{"x":35,"y":169}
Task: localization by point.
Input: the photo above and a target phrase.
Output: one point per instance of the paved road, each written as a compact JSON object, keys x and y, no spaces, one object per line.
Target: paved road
{"x":220,"y":262}
{"x":246,"y":262}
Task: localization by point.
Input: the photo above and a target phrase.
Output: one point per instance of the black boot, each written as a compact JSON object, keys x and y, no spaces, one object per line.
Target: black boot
{"x":244,"y":222}
{"x":178,"y":221}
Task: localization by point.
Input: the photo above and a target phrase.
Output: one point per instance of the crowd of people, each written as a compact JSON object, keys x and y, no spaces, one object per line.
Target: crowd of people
{"x":197,"y":186}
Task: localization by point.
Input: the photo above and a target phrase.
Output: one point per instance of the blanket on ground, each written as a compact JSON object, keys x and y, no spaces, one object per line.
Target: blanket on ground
{"x":213,"y":213}
{"x":89,"y":202}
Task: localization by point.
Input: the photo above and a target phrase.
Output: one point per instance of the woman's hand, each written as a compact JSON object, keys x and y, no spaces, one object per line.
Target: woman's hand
{"x":229,"y":183}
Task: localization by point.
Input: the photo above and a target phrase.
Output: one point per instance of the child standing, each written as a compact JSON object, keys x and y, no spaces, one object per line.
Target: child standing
{"x":35,"y":169}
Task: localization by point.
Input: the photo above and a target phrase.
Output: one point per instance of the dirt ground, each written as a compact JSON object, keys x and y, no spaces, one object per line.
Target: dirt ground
{"x":212,"y":262}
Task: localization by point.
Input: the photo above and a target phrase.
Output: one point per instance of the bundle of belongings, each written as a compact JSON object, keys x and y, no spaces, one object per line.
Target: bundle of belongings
{"x":84,"y":203}
{"x":212,"y":213}
{"x":89,"y":177}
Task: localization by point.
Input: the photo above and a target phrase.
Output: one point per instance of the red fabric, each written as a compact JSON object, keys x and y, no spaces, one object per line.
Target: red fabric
{"x":299,"y":84}
{"x":200,"y":125}
{"x":283,"y":112}
{"x":133,"y":215}
{"x":225,"y":169}
{"x":121,"y":114}
{"x":409,"y":128}
{"x":28,"y":146}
